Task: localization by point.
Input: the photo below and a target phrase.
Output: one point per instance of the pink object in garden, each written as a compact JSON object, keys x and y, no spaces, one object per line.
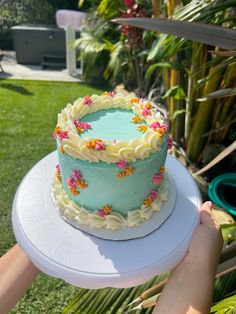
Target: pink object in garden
{"x":129,"y":3}
{"x":69,"y":18}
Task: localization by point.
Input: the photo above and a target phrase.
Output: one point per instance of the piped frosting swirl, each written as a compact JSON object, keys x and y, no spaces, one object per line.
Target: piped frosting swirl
{"x":138,"y":148}
{"x":80,"y":215}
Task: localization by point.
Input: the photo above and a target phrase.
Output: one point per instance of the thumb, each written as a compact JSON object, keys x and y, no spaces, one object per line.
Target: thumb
{"x":206,"y":215}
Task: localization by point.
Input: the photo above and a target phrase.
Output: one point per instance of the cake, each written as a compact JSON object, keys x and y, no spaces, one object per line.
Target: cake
{"x":112,"y":150}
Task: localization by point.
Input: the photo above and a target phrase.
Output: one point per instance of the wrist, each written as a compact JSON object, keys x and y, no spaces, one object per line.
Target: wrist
{"x":190,"y":267}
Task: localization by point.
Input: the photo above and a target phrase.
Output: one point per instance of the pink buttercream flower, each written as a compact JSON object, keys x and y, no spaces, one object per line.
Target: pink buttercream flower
{"x":100,"y":146}
{"x":87,"y":100}
{"x":77,"y":123}
{"x":58,"y":168}
{"x":153,"y":194}
{"x":157,"y":178}
{"x":101,"y":213}
{"x":76,"y":174}
{"x":71,"y":182}
{"x":85,"y":126}
{"x":170,"y":143}
{"x":63,"y":134}
{"x":122,"y":164}
{"x":154,"y":125}
{"x":112,"y":93}
{"x":82,"y":125}
{"x":146,"y":112}
{"x":164,"y":126}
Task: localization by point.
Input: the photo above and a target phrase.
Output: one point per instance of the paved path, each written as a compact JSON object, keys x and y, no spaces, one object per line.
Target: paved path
{"x":13,"y":70}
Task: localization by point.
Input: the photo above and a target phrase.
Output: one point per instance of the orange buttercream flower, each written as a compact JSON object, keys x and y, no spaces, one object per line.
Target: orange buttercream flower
{"x":136,"y":119}
{"x":91,"y":144}
{"x":162,"y":169}
{"x":148,"y":201}
{"x":62,"y":150}
{"x":142,"y":128}
{"x":107,"y":209}
{"x":121,"y":174}
{"x":57,"y":131}
{"x":96,"y":144}
{"x":160,"y":132}
{"x":73,"y":191}
{"x":81,"y":184}
{"x":148,"y":106}
{"x":80,"y":130}
{"x":135,"y":99}
{"x":129,"y":170}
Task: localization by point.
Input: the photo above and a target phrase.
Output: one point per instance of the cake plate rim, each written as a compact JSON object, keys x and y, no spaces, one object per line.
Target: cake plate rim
{"x":88,"y":279}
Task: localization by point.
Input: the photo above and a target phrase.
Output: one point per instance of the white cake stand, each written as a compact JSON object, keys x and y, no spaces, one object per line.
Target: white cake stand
{"x":62,"y":251}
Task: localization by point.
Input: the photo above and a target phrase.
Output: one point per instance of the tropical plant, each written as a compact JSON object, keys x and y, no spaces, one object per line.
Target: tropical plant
{"x":192,"y":70}
{"x":121,"y":51}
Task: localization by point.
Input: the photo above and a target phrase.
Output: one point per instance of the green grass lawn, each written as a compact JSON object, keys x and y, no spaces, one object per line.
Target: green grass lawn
{"x":28,"y":115}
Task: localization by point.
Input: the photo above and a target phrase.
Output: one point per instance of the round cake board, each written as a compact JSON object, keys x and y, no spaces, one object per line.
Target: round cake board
{"x":83,"y":260}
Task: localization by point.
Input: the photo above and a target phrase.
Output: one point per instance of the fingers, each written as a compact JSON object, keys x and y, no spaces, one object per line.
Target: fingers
{"x":207,"y":219}
{"x":206,"y":215}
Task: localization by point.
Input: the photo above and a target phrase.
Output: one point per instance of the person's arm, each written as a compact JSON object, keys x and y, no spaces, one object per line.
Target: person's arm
{"x":190,"y":286}
{"x":16,"y":275}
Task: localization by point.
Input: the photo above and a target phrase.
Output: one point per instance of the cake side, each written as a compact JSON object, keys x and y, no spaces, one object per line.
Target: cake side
{"x":79,"y":215}
{"x":124,"y":188}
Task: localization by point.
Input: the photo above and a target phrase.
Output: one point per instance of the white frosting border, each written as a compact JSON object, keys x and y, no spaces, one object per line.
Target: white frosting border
{"x":78,"y":216}
{"x":130,"y":151}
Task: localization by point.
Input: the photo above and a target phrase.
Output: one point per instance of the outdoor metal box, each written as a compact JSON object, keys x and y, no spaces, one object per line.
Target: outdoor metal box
{"x":32,"y":42}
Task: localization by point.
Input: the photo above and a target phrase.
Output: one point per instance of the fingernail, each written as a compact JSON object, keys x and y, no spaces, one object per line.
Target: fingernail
{"x":209,"y":204}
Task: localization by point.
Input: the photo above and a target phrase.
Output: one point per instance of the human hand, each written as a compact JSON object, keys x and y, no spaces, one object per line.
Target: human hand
{"x":206,"y":243}
{"x":190,"y":285}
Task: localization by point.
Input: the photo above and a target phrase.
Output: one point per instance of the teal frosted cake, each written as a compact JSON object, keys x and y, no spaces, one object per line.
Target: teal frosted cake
{"x":112,"y":150}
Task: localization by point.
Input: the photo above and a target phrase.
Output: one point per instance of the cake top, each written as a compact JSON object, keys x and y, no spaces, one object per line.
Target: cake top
{"x":110,"y":128}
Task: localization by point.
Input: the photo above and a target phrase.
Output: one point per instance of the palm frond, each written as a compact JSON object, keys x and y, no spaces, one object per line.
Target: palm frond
{"x":89,"y":44}
{"x":115,"y":62}
{"x":110,"y":8}
{"x":226,"y":305}
{"x":109,"y":300}
{"x":226,"y":92}
{"x":204,"y":33}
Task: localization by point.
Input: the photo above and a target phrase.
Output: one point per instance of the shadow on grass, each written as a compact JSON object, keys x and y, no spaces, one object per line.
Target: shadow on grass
{"x":16,"y":88}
